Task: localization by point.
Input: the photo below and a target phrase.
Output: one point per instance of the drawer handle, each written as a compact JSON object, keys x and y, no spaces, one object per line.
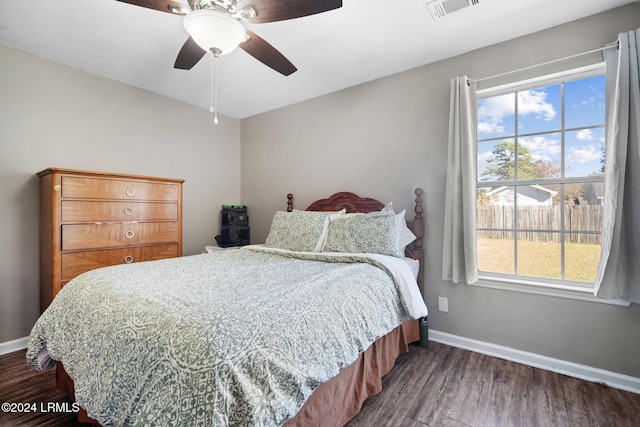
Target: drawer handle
{"x":128,"y":211}
{"x":129,"y":234}
{"x":130,"y":192}
{"x":128,"y":259}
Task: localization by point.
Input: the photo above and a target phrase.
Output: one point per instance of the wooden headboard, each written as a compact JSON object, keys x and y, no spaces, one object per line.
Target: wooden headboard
{"x":354,"y":203}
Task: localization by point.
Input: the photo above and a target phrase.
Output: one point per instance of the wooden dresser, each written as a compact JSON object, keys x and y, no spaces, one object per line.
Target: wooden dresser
{"x":90,"y":220}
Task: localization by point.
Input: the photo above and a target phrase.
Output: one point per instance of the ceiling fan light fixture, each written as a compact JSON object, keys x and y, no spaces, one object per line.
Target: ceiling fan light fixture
{"x":177,"y":9}
{"x":212,"y":29}
{"x":247,"y":13}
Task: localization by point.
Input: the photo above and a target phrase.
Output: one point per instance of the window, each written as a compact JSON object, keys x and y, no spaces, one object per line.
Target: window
{"x":540,"y":179}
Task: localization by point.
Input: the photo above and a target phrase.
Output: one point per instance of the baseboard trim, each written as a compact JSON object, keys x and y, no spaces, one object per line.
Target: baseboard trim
{"x":15,"y":345}
{"x":612,"y":379}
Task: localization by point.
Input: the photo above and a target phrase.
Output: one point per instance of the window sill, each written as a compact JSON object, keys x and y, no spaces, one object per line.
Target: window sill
{"x":559,"y":291}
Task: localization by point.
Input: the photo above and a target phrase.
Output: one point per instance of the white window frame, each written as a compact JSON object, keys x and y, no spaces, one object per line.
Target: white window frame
{"x":535,"y":285}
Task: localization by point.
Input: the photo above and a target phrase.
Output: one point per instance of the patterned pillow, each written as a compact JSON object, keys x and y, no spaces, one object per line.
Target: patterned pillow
{"x":374,"y":232}
{"x":297,"y":230}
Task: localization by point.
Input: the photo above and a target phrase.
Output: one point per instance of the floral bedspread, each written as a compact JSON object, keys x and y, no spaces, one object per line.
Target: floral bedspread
{"x":232,"y":338}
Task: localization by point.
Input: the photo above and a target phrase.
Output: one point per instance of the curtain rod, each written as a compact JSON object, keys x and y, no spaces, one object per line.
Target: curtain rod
{"x":541,"y":65}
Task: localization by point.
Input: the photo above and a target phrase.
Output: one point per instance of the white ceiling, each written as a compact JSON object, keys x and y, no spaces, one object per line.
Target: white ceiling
{"x":362,"y":41}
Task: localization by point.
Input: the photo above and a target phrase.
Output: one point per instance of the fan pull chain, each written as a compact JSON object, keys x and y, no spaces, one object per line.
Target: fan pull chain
{"x":214,"y":84}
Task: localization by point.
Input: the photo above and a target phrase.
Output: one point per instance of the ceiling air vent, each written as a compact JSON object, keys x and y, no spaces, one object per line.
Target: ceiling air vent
{"x":441,"y":8}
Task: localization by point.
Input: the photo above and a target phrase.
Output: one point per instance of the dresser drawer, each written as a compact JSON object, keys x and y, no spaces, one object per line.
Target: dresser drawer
{"x":95,"y":211}
{"x":75,"y":263}
{"x":103,"y":188}
{"x":110,"y":235}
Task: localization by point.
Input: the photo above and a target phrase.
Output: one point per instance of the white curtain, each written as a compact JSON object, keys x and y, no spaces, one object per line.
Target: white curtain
{"x":459,"y":248}
{"x":619,"y":268}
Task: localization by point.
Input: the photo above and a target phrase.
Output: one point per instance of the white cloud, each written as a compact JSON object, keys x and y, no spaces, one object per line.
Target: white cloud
{"x":584,"y":135}
{"x":493,"y":111}
{"x":491,"y":114}
{"x":596,"y":100}
{"x":483,"y":159}
{"x":490,"y":127}
{"x":534,"y":101}
{"x":584,"y":154}
{"x":543,"y":147}
{"x":497,"y":107}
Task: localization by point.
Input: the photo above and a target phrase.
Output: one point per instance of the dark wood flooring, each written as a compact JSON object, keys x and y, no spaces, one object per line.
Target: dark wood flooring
{"x":447,"y":386}
{"x":438,"y":386}
{"x":21,"y":384}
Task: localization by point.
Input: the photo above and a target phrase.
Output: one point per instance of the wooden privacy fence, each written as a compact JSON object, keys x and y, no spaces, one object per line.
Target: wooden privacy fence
{"x":582,"y":223}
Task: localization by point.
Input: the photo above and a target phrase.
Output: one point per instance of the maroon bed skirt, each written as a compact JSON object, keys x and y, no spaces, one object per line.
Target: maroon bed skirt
{"x":336,"y":401}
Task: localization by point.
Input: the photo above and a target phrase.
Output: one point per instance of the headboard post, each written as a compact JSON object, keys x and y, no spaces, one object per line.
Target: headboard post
{"x":418,"y":230}
{"x":289,"y":202}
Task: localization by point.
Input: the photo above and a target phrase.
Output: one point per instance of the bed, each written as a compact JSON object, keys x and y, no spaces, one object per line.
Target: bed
{"x":273,"y":334}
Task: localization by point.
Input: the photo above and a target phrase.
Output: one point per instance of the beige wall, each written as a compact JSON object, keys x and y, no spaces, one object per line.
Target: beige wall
{"x":384,"y":138}
{"x":55,"y":116}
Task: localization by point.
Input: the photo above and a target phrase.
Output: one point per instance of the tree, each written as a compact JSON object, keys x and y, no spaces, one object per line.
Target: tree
{"x":501,"y":165}
{"x":483,"y":199}
{"x":546,"y":169}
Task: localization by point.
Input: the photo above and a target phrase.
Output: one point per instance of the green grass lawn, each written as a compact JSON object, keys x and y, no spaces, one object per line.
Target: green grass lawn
{"x":539,"y":259}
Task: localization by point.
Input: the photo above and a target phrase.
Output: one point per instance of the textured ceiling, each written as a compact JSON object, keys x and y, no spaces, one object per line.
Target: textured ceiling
{"x":362,"y":41}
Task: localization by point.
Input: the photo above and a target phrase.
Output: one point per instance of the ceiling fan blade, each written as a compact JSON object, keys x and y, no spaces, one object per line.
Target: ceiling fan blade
{"x":169,"y":6}
{"x":267,"y":54}
{"x":281,"y":10}
{"x":190,"y":54}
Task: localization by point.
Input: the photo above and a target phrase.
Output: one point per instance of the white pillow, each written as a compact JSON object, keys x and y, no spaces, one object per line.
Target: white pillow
{"x":323,"y":238}
{"x":404,"y":235}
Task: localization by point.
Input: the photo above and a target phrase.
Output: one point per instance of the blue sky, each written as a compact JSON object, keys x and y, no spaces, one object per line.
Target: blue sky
{"x":540,"y":110}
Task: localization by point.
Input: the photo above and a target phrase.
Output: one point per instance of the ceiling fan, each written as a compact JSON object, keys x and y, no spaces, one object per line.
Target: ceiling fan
{"x":216,"y":26}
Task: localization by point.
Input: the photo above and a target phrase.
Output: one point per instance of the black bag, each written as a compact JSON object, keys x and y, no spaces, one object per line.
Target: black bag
{"x":235,"y":227}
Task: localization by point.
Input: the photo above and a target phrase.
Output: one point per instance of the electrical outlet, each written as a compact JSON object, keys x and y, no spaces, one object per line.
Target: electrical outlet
{"x":443,"y":304}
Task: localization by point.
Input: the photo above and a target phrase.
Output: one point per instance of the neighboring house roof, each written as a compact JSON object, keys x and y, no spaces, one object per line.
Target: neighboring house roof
{"x":527,"y":195}
{"x":594,"y":193}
